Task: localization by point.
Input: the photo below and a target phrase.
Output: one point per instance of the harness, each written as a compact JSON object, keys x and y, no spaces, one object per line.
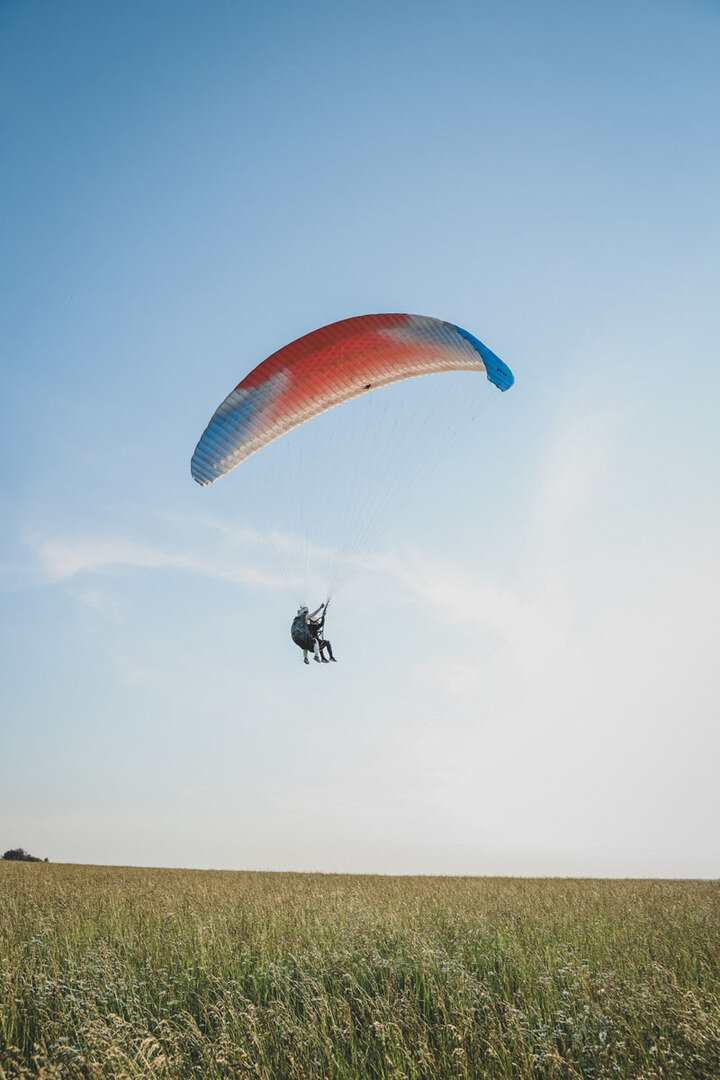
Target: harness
{"x":304,"y":633}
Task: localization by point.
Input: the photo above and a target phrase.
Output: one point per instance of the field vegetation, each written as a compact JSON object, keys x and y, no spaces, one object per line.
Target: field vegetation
{"x":134,"y":973}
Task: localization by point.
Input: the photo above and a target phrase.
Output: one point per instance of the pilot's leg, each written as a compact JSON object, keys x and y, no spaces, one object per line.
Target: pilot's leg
{"x":328,"y":646}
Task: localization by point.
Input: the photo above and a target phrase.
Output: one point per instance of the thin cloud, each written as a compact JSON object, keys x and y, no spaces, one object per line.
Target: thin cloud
{"x":62,"y":559}
{"x":237,"y":555}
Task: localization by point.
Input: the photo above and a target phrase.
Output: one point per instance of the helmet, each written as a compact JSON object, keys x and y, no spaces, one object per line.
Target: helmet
{"x":303,"y":610}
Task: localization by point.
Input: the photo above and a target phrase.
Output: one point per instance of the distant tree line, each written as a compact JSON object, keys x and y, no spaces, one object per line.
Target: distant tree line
{"x":19,"y":854}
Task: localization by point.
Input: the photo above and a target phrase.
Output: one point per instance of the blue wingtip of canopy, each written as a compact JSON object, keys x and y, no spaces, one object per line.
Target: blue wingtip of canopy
{"x":498,"y":373}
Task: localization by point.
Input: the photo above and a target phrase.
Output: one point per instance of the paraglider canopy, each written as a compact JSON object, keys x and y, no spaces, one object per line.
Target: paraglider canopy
{"x":328,"y":367}
{"x":320,"y":500}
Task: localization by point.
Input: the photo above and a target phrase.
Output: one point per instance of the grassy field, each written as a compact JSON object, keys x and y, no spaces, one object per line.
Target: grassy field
{"x":112,"y":972}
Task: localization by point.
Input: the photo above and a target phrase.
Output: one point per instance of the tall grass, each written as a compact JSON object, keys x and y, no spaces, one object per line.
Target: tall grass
{"x":129,"y":973}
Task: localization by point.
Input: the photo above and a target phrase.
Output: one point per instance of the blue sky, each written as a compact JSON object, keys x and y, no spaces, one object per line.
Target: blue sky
{"x":528,"y":680}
